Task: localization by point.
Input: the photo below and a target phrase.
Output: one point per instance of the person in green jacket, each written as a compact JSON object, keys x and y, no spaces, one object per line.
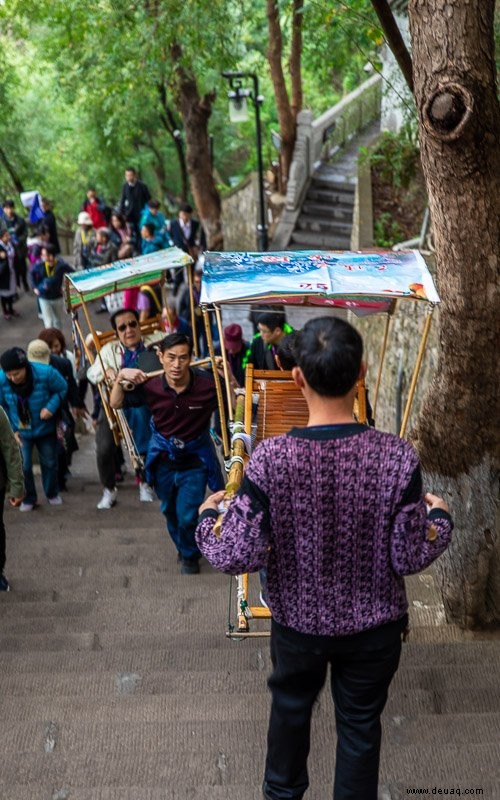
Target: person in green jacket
{"x":11,"y":483}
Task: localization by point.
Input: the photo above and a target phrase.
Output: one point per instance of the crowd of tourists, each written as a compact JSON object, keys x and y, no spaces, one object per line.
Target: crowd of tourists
{"x":350,"y":609}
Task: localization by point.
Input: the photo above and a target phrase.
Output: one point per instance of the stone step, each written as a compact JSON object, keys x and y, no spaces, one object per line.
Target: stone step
{"x":405,"y":699}
{"x":323,"y":226}
{"x":329,"y":197}
{"x":341,"y":212}
{"x":206,"y":765}
{"x":334,"y":181}
{"x":321,"y":791}
{"x":76,"y":735}
{"x":248,"y":654}
{"x":314,"y":241}
{"x":72,"y":792}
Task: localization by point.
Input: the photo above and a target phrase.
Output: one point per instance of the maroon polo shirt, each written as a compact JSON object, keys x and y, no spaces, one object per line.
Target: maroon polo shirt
{"x":185,"y":415}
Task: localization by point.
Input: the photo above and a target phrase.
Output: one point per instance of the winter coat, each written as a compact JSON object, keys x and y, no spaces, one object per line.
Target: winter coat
{"x":11,"y":465}
{"x":104,"y":254}
{"x":49,"y":391}
{"x":49,"y":286}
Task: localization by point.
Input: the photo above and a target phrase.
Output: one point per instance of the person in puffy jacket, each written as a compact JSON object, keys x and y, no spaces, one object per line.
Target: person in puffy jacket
{"x":32,"y":395}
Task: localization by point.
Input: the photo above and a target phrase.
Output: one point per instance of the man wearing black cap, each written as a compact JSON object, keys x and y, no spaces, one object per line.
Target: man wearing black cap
{"x":32,"y":394}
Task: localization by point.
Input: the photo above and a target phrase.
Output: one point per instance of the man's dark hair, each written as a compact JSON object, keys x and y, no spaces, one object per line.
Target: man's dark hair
{"x":131,"y":169}
{"x":272,"y":320}
{"x":287,"y":351}
{"x":154,"y":203}
{"x":8,"y":204}
{"x":49,"y":249}
{"x":150,"y":228}
{"x":121,"y":311}
{"x":329,"y":353}
{"x":186,"y":208}
{"x":173,"y":339}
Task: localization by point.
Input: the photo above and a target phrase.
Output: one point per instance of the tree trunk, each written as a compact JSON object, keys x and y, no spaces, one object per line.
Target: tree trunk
{"x":285,"y":116}
{"x":16,"y":180}
{"x":296,"y":58}
{"x":169,"y":123}
{"x":459,"y":119}
{"x":195,"y":112}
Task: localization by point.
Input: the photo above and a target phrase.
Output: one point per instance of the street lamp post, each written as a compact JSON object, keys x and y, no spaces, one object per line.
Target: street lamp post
{"x":238,"y":113}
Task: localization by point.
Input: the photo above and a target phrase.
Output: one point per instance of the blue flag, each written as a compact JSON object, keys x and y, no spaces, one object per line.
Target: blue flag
{"x":36,"y":213}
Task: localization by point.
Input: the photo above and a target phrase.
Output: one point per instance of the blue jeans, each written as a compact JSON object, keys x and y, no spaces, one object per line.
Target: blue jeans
{"x":362,"y":667}
{"x":47,"y":454}
{"x":181,"y":492}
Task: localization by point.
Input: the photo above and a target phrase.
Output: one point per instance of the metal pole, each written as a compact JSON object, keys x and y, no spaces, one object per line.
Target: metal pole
{"x":262,"y":237}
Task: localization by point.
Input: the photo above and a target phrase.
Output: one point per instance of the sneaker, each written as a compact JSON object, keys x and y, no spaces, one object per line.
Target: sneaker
{"x":26,"y":507}
{"x":146,"y":494}
{"x":189,"y":566}
{"x":4,"y":583}
{"x":55,"y":501}
{"x":108,"y":498}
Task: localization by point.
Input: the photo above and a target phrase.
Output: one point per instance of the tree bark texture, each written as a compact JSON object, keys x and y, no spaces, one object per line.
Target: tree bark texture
{"x":275,"y":59}
{"x":16,"y":180}
{"x":195,"y":111}
{"x":457,"y":430}
{"x":296,"y":58}
{"x":169,"y":123}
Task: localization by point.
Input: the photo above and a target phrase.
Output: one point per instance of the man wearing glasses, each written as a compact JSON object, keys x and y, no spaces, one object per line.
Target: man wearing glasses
{"x":114,"y":356}
{"x":181,"y":458}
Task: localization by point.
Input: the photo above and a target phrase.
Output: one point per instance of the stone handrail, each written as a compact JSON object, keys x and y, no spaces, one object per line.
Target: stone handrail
{"x":318,"y":139}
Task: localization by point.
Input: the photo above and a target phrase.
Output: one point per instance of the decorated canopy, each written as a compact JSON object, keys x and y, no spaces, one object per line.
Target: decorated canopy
{"x":364,"y":282}
{"x":91,"y":284}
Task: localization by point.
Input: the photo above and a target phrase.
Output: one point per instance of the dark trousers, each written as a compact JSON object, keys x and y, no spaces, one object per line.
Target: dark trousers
{"x":7,"y":304}
{"x":2,"y":531}
{"x":21,"y":272}
{"x":47,"y":455}
{"x":108,"y":453}
{"x":181,"y":493}
{"x":362,"y":667}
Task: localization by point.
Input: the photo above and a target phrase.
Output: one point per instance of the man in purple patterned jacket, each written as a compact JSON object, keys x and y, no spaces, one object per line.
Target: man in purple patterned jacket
{"x":336,"y":513}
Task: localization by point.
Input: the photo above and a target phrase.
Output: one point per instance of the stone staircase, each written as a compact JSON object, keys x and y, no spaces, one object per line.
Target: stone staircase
{"x":118,"y":683}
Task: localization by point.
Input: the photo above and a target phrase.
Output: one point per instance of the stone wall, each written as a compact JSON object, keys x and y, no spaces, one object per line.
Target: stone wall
{"x":407,"y":324}
{"x":239,"y":216}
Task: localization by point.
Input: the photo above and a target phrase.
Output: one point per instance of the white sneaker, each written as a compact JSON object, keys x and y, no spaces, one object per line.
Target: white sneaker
{"x":108,"y":498}
{"x":55,"y":501}
{"x":146,"y":494}
{"x":26,"y":507}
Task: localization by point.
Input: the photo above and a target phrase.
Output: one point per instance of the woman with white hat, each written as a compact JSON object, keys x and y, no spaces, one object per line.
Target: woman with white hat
{"x":84,"y":241}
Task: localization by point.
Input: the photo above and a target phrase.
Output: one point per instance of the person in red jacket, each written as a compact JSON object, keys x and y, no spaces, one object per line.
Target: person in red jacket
{"x":95,"y":208}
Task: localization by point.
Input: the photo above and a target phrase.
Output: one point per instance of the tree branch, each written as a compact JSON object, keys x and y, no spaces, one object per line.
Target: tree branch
{"x":394,"y":39}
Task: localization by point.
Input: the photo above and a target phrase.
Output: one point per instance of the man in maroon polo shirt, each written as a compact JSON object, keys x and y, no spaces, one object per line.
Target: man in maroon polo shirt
{"x":181,"y":459}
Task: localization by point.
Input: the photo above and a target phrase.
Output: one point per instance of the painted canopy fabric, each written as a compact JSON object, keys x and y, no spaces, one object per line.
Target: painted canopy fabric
{"x":91,"y":284}
{"x":363,"y":282}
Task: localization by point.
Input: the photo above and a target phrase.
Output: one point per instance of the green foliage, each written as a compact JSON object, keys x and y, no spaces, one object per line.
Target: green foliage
{"x":395,"y":157}
{"x":386,"y":232}
{"x":79,"y":84}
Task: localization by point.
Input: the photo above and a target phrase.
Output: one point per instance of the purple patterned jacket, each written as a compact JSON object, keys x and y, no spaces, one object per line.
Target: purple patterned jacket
{"x":336,"y":515}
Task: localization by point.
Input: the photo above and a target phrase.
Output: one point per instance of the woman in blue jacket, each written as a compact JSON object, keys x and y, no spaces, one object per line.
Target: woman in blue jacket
{"x":32,"y":394}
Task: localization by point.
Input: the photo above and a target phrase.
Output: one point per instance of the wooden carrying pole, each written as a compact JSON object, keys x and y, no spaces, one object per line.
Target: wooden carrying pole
{"x":218,"y":387}
{"x":381,"y":360}
{"x":191,"y":308}
{"x":416,"y":371}
{"x":112,"y":422}
{"x":225,"y":365}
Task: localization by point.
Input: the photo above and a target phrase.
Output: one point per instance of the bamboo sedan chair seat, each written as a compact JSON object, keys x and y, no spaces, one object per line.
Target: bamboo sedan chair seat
{"x":281,"y":405}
